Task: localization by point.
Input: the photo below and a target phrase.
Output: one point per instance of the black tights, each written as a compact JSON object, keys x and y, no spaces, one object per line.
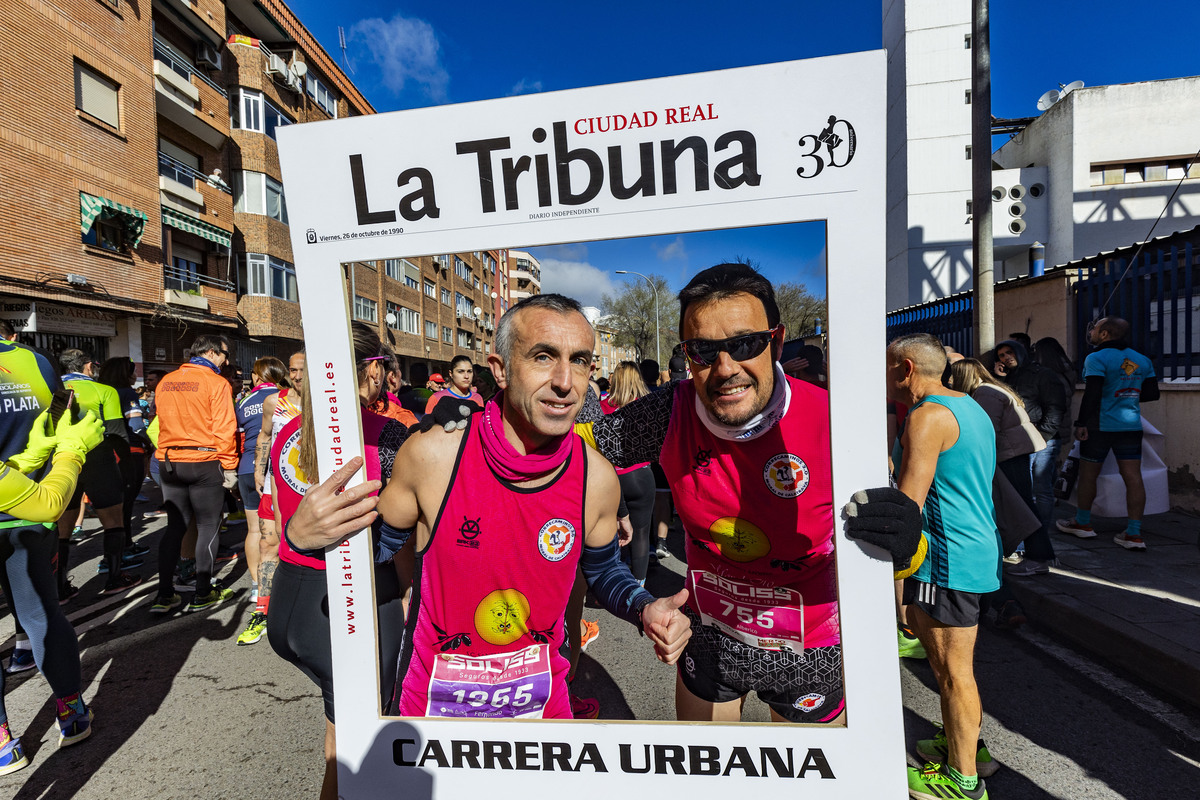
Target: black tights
{"x":191,"y":490}
{"x":637,"y":488}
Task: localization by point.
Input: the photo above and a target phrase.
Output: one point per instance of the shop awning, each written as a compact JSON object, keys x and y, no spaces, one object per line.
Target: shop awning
{"x":92,"y":206}
{"x":183,"y":222}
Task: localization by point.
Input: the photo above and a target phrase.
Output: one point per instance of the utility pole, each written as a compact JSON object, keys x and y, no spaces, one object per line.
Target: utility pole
{"x":984,"y":308}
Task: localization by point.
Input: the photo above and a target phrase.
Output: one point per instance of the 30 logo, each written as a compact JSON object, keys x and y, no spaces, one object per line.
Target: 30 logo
{"x":703,"y":458}
{"x":832,"y":147}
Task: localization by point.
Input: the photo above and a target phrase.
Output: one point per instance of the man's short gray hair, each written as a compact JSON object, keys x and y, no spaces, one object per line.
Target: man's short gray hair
{"x":505,"y":335}
{"x":925,"y":351}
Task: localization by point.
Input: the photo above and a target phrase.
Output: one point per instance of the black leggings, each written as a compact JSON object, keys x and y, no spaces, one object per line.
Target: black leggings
{"x":133,"y":469}
{"x":26,"y":555}
{"x":190,"y":490}
{"x":298,"y":626}
{"x":637,"y":488}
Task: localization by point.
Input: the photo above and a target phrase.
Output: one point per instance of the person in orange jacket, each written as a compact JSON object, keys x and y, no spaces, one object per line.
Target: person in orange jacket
{"x":198,"y":458}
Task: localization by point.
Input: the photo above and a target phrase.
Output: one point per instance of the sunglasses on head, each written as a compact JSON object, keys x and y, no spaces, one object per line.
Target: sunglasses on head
{"x":705,"y":352}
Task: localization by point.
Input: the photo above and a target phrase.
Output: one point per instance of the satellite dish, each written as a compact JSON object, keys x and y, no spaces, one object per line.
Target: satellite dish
{"x":390,"y":318}
{"x":1048,"y":99}
{"x":477,"y":311}
{"x":1070,"y":87}
{"x":299,"y":69}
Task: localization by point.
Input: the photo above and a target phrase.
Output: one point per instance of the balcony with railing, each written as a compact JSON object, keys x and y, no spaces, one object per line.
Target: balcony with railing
{"x":187,"y":285}
{"x":188,"y":97}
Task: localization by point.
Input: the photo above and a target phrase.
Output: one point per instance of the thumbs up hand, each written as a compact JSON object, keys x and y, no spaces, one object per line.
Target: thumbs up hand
{"x":667,"y":626}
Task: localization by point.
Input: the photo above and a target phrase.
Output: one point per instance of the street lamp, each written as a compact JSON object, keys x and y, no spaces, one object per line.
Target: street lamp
{"x":657,"y":332}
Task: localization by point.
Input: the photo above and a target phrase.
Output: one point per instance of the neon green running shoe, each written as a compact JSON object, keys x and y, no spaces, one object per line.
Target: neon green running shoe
{"x":933,"y":783}
{"x":210,"y":600}
{"x":255,"y":630}
{"x":909,"y":645}
{"x":164,"y":604}
{"x":938,"y":749}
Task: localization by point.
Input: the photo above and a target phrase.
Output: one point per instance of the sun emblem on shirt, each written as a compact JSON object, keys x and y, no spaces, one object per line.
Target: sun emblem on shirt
{"x":739,"y":539}
{"x":786,"y":475}
{"x":502,"y":616}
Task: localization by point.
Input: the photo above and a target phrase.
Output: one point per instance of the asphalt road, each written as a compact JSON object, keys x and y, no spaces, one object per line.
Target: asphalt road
{"x":181,"y":712}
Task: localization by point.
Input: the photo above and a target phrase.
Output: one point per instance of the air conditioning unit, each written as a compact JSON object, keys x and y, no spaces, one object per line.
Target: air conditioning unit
{"x":295,"y":82}
{"x":207,"y":56}
{"x":277,"y":66}
{"x":459,"y":315}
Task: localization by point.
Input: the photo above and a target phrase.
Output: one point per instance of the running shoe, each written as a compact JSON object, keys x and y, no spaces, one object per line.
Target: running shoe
{"x":1075,"y":528}
{"x":211,"y":600}
{"x":127,"y":562}
{"x":255,"y":630}
{"x":938,"y":749}
{"x":185,"y":575}
{"x":136,"y":551}
{"x":584,"y":707}
{"x":67,"y":593}
{"x":123,"y":582}
{"x":162,"y":605}
{"x":237,"y":515}
{"x":1010,"y":616}
{"x":158,"y":512}
{"x":908,"y":643}
{"x":12,"y":757}
{"x":591,"y":632}
{"x":1129,"y":542}
{"x":74,"y":720}
{"x":661,"y":551}
{"x":933,"y":783}
{"x":225,"y":554}
{"x":77,"y":535}
{"x":1029,"y":567}
{"x":20,"y":661}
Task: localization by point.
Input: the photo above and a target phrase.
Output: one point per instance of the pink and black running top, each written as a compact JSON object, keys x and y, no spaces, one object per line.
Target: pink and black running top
{"x":485,"y":623}
{"x":759,"y":520}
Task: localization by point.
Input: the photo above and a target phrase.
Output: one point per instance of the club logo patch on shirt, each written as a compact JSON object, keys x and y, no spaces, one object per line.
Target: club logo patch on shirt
{"x":786,"y":475}
{"x":289,"y":467}
{"x":555,"y":539}
{"x":809,"y":703}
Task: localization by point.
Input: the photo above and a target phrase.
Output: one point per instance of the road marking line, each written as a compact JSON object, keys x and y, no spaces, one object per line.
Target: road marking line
{"x":1165,"y":713}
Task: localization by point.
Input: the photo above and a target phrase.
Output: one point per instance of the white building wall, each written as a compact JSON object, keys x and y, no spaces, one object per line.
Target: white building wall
{"x":929,"y":127}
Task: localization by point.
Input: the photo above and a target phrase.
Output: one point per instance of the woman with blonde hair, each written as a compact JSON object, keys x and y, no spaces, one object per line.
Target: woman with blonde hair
{"x":1016,"y":440}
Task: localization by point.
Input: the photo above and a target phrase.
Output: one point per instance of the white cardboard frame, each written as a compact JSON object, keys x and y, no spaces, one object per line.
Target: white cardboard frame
{"x":784,"y":107}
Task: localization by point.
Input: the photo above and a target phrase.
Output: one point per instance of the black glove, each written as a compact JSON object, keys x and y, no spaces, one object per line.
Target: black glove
{"x":888,"y":518}
{"x":450,"y":413}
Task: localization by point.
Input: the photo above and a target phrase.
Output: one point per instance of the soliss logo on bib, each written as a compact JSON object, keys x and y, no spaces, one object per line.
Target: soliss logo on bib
{"x":555,"y":539}
{"x":786,"y":475}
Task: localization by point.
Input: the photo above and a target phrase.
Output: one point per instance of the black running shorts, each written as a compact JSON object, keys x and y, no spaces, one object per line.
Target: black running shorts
{"x":100,"y":479}
{"x":804,"y":687}
{"x":947,"y":606}
{"x":1125,"y":446}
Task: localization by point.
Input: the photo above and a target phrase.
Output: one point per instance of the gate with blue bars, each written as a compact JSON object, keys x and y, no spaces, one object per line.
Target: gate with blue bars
{"x":949,"y":318}
{"x":1155,"y":287}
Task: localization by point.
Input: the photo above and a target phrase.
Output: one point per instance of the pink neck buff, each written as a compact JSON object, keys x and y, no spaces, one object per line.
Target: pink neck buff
{"x":504,"y":459}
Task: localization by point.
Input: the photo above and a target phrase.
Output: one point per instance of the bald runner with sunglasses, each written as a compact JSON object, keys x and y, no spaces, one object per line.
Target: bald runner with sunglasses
{"x":747,"y":453}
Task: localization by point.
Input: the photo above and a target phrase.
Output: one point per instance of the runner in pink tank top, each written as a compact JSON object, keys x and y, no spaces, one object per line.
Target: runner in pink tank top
{"x":493,"y":582}
{"x":500,"y":515}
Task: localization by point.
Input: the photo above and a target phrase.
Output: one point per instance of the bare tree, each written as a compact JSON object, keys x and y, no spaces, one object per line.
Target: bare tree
{"x":630,"y":311}
{"x":799,"y":310}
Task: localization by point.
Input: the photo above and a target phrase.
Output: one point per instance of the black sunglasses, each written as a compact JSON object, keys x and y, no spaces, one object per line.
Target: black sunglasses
{"x":705,"y":352}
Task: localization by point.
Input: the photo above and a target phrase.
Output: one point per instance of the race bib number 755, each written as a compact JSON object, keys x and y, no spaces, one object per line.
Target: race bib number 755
{"x":769,"y":617}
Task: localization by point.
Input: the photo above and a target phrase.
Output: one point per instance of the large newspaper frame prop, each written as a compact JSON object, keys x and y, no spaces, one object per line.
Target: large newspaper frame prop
{"x":787,"y":142}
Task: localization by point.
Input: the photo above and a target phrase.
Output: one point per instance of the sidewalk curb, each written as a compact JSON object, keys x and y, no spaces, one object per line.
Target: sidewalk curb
{"x":1152,"y":659}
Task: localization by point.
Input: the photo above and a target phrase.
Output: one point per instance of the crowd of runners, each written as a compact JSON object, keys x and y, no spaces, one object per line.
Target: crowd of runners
{"x":494,"y":507}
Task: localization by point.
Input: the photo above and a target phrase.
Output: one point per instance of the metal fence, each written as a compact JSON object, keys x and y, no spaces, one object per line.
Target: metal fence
{"x":950,"y":319}
{"x":1156,"y":290}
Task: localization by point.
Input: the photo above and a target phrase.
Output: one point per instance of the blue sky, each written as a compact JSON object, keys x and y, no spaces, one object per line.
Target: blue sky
{"x":408,"y":55}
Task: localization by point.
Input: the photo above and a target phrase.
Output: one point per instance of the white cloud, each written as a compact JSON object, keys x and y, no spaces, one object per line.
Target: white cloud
{"x":577,"y":279}
{"x":406,"y":50}
{"x":525,"y":86}
{"x":674,"y":250}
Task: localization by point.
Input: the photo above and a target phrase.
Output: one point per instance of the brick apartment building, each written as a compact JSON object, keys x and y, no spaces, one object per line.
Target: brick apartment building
{"x":144,"y":204}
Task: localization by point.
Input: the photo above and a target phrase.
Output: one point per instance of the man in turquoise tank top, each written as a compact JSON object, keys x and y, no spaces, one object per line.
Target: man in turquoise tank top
{"x":945,"y":459}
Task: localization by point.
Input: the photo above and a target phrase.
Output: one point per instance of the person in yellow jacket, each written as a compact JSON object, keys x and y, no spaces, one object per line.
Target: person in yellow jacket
{"x":28,"y":507}
{"x":198,"y":459}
